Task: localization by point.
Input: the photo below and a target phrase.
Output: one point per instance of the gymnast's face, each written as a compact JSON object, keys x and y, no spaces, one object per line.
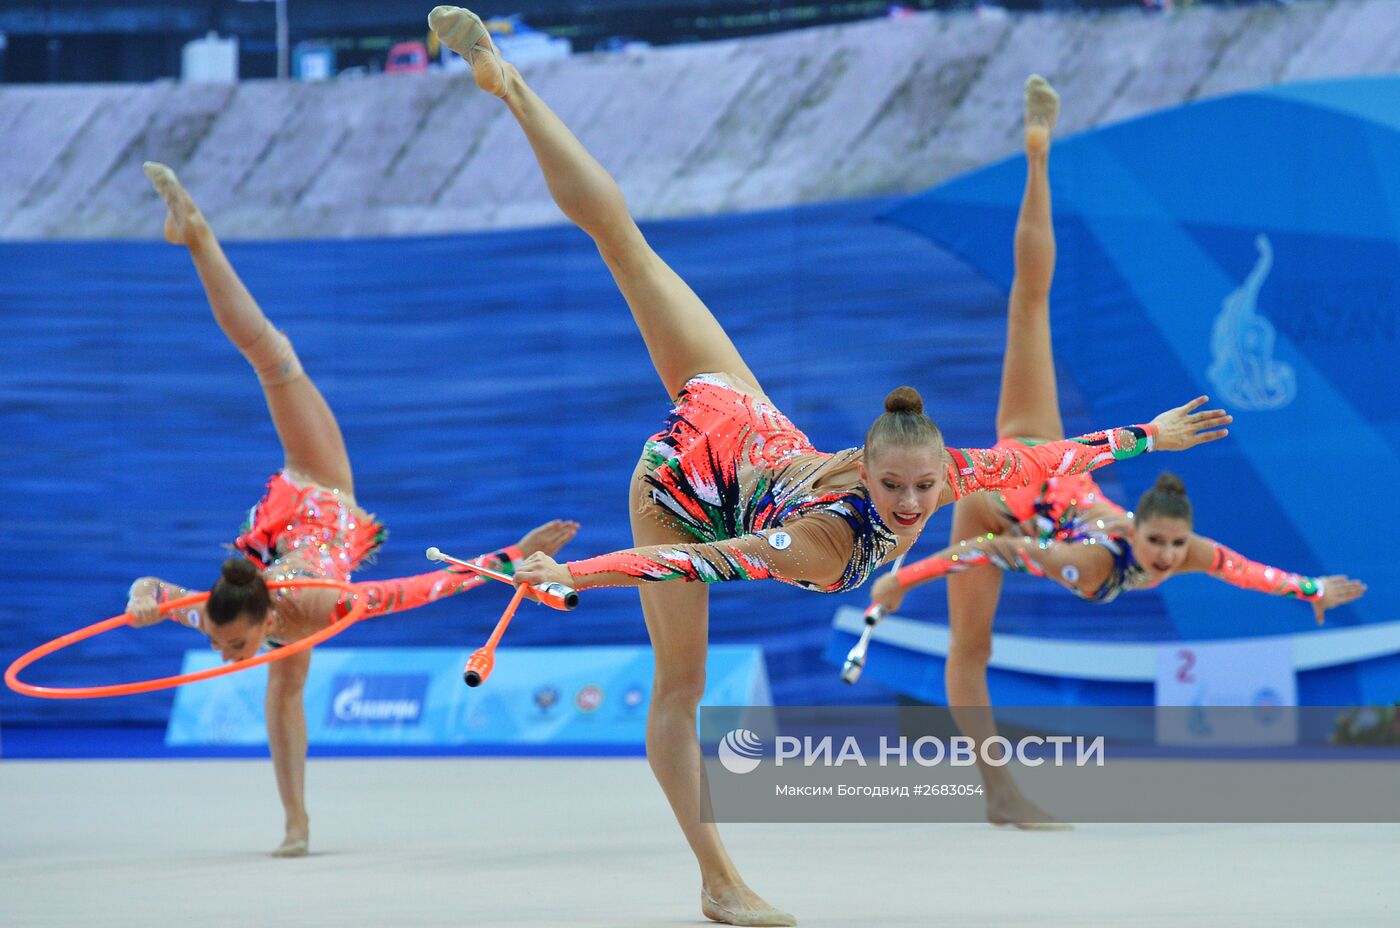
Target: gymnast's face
{"x":1159,"y":544}
{"x":238,"y":639}
{"x":904,"y":483}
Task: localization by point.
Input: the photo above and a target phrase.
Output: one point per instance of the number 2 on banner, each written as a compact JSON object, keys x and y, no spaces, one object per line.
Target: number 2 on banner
{"x":1188,"y":661}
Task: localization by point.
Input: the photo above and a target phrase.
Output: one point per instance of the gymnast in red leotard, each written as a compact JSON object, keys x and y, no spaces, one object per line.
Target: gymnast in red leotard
{"x":1063,"y":528}
{"x":307,"y":524}
{"x":730,"y":489}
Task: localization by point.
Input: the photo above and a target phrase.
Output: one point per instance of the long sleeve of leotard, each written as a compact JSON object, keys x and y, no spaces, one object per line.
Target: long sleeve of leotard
{"x":1238,"y":570}
{"x":1013,"y":555}
{"x":815,"y":549}
{"x":403,"y":593}
{"x":1025,"y":463}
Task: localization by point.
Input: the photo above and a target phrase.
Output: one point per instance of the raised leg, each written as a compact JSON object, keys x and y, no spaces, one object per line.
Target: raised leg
{"x":286,"y":739}
{"x":677,"y":619}
{"x":311,"y":441}
{"x":682,"y":335}
{"x":1030,"y":406}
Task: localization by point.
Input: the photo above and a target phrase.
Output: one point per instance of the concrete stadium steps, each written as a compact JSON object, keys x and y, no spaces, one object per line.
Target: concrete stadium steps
{"x":873,"y":108}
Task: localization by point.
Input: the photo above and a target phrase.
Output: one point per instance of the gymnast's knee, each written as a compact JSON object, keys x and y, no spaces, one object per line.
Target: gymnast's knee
{"x":678,"y":691}
{"x":970,"y":650}
{"x":271,"y":354}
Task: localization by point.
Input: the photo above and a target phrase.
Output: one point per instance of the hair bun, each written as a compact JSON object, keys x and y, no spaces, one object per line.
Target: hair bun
{"x":239,"y":571}
{"x":1167,"y":482}
{"x":904,"y":399}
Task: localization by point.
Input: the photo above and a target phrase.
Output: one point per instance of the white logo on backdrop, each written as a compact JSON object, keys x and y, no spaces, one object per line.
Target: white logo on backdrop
{"x":350,"y":705}
{"x":1243,"y":368}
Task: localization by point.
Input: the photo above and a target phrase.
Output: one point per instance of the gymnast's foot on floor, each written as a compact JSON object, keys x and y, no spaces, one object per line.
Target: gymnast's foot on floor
{"x":184,"y":224}
{"x":297,"y":841}
{"x":1042,"y":109}
{"x":1009,"y":807}
{"x":736,"y":904}
{"x":464,"y":32}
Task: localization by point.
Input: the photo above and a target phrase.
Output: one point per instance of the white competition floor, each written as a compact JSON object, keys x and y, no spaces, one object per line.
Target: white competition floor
{"x":453,"y":841}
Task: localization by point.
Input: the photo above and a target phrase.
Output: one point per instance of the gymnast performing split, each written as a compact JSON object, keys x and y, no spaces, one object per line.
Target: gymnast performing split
{"x":730,"y":489}
{"x":1062,"y":528}
{"x":306,"y":526}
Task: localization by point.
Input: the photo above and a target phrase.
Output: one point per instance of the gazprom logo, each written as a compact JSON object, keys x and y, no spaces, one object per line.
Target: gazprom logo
{"x":740,"y":751}
{"x":377,"y":699}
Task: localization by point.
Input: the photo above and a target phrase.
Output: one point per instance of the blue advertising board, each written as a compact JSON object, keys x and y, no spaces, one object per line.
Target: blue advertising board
{"x":415,"y":696}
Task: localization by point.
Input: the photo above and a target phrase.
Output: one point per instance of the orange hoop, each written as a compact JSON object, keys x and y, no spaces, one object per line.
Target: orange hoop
{"x":145,"y":686}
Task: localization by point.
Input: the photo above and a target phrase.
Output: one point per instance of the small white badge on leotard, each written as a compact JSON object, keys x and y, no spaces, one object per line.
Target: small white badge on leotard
{"x":781,"y":541}
{"x":1070,"y":573}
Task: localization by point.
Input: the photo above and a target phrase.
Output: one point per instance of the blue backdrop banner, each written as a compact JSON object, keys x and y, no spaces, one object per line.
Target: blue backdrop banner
{"x":579,"y":696}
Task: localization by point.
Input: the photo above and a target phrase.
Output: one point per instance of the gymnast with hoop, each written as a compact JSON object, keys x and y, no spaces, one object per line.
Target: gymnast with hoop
{"x":1063,"y":528}
{"x":730,"y":489}
{"x":307,"y":527}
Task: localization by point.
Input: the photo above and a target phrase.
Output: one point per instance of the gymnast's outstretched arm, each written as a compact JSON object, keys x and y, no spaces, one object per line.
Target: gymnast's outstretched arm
{"x":403,"y":593}
{"x":1009,"y":553}
{"x":1030,"y":462}
{"x":814,"y":549}
{"x":148,"y":594}
{"x":1322,"y":593}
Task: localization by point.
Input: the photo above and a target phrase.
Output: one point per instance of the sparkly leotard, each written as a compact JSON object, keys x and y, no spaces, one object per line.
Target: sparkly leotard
{"x":301,"y":530}
{"x":1071,"y":510}
{"x":320,"y":527}
{"x":728,"y":464}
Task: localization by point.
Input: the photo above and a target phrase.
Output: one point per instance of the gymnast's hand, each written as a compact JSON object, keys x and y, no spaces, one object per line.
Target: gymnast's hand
{"x":539,"y":569}
{"x":1183,"y":427}
{"x":1337,"y":590}
{"x":548,"y":538}
{"x":142,"y":605}
{"x":887,"y":592}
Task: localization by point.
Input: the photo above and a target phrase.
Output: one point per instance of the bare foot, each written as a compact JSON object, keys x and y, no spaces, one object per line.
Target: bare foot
{"x":297,"y":841}
{"x":1018,"y":811}
{"x":1042,"y":109}
{"x":183,"y":221}
{"x":464,"y":32}
{"x":739,"y":905}
{"x":548,"y":538}
{"x":293,"y":846}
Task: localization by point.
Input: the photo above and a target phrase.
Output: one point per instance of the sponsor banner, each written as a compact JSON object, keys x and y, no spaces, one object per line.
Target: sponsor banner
{"x":1079,"y":763}
{"x":415,"y":696}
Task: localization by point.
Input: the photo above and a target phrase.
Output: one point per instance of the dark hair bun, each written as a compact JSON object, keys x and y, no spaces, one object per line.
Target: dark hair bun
{"x":904,"y":399}
{"x":1167,"y":482}
{"x":239,"y":571}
